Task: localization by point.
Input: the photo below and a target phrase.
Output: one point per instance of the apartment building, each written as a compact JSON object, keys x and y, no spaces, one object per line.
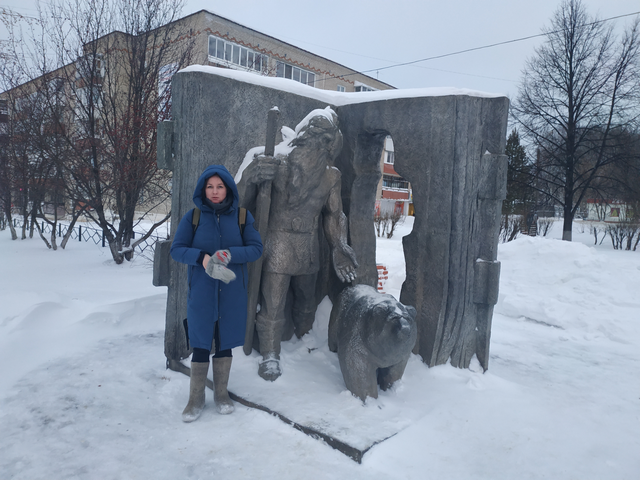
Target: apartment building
{"x":224,"y":43}
{"x":394,"y":192}
{"x":211,"y":40}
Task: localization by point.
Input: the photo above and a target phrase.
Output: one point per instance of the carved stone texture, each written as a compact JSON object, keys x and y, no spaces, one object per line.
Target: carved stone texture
{"x":304,"y":195}
{"x":449,"y":147}
{"x":373,"y":335}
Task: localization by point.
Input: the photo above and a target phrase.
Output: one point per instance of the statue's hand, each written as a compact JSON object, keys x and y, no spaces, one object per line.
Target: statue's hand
{"x":263,"y":168}
{"x":344,"y":262}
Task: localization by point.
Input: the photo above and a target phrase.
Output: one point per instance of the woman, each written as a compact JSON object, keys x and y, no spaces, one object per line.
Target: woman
{"x":217,"y":252}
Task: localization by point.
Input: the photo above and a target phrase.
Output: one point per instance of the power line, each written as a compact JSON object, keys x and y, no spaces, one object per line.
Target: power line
{"x":482,"y":47}
{"x":391,"y":61}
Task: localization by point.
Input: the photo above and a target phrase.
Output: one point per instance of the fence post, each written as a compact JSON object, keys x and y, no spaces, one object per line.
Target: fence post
{"x":59,"y":230}
{"x":79,"y":233}
{"x":103,"y":238}
{"x":42,"y":224}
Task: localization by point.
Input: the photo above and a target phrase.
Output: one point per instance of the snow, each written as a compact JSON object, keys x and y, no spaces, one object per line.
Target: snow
{"x":284,"y":148}
{"x":337,"y":99}
{"x":326,"y":112}
{"x":84,"y":392}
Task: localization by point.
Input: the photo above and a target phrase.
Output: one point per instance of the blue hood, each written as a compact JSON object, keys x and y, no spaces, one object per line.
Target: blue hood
{"x":226,"y":177}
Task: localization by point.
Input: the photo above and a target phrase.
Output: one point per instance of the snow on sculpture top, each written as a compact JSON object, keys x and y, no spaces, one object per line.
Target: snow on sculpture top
{"x":335,"y":98}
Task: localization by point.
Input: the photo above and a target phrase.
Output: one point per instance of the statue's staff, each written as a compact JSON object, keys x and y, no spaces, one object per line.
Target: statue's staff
{"x":261,"y":223}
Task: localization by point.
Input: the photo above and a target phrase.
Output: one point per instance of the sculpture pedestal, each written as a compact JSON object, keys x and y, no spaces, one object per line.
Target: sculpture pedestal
{"x":312,"y":397}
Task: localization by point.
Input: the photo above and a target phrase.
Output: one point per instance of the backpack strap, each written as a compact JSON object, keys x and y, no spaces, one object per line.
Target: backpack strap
{"x":196,"y":219}
{"x":242,"y":219}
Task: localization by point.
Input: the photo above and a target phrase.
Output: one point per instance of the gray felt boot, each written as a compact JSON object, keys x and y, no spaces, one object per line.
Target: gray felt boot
{"x":196,"y":391}
{"x":221,"y":368}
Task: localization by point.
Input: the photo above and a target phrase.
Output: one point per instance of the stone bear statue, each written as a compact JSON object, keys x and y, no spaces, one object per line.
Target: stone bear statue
{"x":373,"y":335}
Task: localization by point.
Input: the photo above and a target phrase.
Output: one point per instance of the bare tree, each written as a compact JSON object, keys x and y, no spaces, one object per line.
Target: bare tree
{"x":578,"y":90}
{"x":23,"y":171}
{"x":26,"y":167}
{"x":510,"y":227}
{"x":380,"y":222}
{"x":109,"y":56}
{"x":395,"y":217}
{"x":122,"y":50}
{"x":6,"y":166}
{"x":35,"y":148}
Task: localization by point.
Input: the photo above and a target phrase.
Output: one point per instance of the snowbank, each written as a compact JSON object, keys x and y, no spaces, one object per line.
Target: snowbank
{"x":84,"y":393}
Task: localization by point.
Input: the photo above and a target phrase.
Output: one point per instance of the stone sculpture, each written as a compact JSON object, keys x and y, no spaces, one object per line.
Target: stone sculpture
{"x":449,"y":145}
{"x":305,"y":190}
{"x":373,"y":335}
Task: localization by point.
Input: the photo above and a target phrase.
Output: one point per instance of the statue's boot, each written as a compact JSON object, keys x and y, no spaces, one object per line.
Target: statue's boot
{"x":269,"y":367}
{"x":197,"y":382}
{"x":269,"y":333}
{"x":221,"y":369}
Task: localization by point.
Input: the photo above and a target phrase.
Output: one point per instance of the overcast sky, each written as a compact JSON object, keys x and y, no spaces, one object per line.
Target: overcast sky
{"x":372,"y":35}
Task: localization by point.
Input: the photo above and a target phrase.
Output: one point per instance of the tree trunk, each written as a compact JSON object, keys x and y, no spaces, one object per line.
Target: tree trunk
{"x":25,"y":222}
{"x":54,"y":244}
{"x":34,"y":222}
{"x":54,"y":225}
{"x":41,"y":233}
{"x":14,"y":235}
{"x":147,"y":235}
{"x":567,"y":224}
{"x":117,"y":255}
{"x":69,"y":231}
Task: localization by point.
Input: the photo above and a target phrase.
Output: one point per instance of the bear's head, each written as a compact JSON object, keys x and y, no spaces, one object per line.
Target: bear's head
{"x":390,"y":330}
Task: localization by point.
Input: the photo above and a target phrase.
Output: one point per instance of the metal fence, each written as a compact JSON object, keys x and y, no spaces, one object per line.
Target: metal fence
{"x":84,"y":233}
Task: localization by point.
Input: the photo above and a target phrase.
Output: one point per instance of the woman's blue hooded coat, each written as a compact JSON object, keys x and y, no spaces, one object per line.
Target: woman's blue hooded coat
{"x":212,"y":300}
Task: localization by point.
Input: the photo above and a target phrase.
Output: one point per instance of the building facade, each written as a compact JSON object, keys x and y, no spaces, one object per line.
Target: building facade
{"x":394,"y":192}
{"x":209,"y":39}
{"x":607,"y":211}
{"x":224,"y":43}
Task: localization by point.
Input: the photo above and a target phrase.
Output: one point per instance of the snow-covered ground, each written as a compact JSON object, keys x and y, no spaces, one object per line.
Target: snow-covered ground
{"x":84,"y":393}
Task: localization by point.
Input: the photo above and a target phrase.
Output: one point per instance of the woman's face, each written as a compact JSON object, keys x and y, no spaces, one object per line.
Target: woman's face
{"x":215,"y":189}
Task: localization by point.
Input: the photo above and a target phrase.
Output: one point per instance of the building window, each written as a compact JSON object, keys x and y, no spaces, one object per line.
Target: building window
{"x":222,"y":51}
{"x":389,"y":181}
{"x":361,"y":87}
{"x":388,"y":150}
{"x":284,"y":70}
{"x":340,"y":88}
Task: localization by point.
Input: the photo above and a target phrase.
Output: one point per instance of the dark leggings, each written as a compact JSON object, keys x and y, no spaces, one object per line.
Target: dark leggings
{"x":201,"y":355}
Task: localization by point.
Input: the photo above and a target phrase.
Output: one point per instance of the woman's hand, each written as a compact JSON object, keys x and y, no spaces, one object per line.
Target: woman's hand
{"x":205,"y":260}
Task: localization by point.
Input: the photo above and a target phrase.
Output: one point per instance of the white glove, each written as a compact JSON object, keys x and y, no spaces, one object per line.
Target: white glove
{"x":221,"y":257}
{"x":219,"y":272}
